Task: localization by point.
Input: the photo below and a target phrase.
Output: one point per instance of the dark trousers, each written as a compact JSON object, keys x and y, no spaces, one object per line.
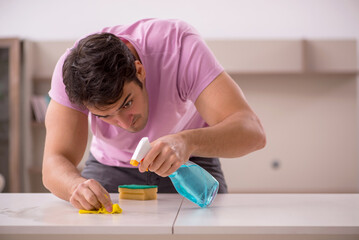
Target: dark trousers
{"x":111,"y":177}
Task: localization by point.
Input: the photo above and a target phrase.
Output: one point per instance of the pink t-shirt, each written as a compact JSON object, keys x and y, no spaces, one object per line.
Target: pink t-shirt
{"x":179,"y":66}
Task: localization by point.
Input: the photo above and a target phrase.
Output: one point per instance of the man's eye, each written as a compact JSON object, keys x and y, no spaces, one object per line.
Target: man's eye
{"x":128,"y":104}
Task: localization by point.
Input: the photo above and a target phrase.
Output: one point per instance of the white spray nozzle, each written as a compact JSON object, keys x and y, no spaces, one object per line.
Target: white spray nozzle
{"x":141,"y":150}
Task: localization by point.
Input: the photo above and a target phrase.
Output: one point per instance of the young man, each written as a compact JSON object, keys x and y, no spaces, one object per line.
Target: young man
{"x":154,"y":78}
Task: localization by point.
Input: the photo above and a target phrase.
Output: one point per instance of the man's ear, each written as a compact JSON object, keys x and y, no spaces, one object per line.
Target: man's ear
{"x":141,"y":73}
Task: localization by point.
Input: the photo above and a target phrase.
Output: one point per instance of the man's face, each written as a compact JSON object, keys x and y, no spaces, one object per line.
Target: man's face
{"x":130,"y":112}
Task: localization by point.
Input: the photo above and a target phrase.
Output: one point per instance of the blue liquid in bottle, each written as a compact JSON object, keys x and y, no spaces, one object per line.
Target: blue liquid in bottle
{"x":195,"y":184}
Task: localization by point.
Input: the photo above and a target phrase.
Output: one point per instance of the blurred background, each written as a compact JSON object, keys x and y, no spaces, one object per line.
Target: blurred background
{"x":295,"y":60}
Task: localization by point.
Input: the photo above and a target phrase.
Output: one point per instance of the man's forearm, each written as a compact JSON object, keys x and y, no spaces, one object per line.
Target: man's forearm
{"x":238,"y":135}
{"x":60,"y":176}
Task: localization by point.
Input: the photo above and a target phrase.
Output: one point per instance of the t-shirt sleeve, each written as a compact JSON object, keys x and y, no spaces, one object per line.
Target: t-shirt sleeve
{"x":198,"y":67}
{"x":57,"y":91}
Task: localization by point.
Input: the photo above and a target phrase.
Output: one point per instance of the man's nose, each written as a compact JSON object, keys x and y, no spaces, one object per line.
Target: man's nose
{"x":120,"y":122}
{"x":123,"y":121}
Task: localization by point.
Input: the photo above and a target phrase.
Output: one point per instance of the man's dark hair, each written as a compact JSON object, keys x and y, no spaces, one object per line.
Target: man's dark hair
{"x":96,"y":70}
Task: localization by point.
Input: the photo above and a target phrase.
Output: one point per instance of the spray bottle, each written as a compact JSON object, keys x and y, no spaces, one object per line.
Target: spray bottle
{"x":190,"y":180}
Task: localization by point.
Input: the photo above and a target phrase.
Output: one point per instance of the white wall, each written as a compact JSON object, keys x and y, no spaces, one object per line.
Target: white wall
{"x":70,"y":19}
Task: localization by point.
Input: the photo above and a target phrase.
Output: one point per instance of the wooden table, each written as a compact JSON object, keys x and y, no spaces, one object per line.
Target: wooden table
{"x":231,"y":216}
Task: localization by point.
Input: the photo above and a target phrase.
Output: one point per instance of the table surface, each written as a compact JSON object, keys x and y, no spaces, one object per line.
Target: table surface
{"x":272,"y":214}
{"x":47,"y":214}
{"x":171,"y":214}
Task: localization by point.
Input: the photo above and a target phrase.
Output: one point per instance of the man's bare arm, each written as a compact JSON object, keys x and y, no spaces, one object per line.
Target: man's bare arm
{"x":66,"y":139}
{"x":234,"y":130}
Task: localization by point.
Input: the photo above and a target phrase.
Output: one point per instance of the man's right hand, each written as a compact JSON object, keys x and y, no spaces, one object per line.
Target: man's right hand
{"x":90,"y":195}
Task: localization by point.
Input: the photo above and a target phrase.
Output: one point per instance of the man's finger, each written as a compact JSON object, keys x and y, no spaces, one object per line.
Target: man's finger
{"x":85,"y":204}
{"x":91,"y":198}
{"x":174,"y":166}
{"x":163,"y":164}
{"x":105,"y":199}
{"x":78,"y":200}
{"x":77,"y":204}
{"x":158,"y":162}
{"x":150,"y":157}
{"x":102,"y":195}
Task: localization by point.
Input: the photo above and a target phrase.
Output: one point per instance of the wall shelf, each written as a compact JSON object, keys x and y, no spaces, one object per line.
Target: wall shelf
{"x":286,"y":56}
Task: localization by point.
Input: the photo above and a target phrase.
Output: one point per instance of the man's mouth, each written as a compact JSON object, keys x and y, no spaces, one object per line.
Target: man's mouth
{"x":134,"y":121}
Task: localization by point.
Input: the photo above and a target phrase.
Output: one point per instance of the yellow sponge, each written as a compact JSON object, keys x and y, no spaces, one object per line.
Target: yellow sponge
{"x":137,"y":192}
{"x":115,"y":209}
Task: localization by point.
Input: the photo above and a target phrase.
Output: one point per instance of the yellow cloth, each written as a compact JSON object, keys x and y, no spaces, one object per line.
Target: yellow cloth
{"x":115,"y":209}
